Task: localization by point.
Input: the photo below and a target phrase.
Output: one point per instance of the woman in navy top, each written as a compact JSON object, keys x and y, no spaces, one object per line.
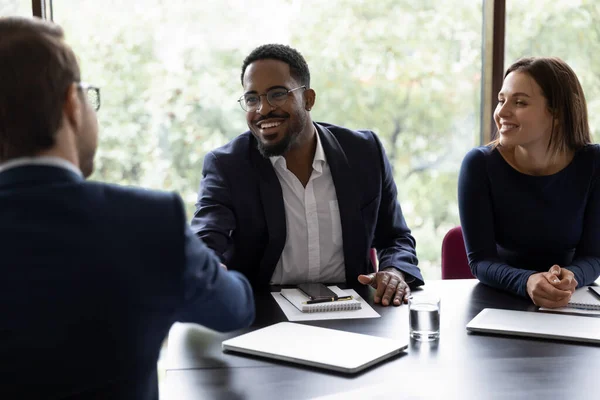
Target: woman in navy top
{"x":530,"y":201}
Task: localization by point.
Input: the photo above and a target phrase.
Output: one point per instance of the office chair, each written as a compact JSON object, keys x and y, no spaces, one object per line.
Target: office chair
{"x":455,"y":264}
{"x":373,"y":256}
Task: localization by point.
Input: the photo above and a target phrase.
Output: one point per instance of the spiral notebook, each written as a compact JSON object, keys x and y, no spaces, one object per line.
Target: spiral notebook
{"x":299,"y":299}
{"x":585,"y":298}
{"x":583,"y":301}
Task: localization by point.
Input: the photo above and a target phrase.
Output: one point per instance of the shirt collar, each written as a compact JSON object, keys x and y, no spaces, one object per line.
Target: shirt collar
{"x":318,"y":160}
{"x":42,"y":160}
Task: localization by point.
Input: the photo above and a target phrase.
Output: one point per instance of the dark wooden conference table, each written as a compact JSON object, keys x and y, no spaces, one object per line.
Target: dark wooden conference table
{"x":460,"y":365}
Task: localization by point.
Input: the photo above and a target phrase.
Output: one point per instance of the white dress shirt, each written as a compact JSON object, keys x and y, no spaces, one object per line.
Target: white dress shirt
{"x":313,"y":250}
{"x":44,"y":160}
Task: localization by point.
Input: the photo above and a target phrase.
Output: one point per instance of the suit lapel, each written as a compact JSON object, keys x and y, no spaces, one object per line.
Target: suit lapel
{"x":353,"y":228}
{"x":272,"y":202}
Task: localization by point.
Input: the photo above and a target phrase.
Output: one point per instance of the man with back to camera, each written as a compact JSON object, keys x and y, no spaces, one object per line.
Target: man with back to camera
{"x":93,"y":275}
{"x":293,"y":201}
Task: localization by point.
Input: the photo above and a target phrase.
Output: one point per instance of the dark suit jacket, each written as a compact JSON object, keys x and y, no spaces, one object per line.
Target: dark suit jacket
{"x":92,"y":278}
{"x":240,"y":212}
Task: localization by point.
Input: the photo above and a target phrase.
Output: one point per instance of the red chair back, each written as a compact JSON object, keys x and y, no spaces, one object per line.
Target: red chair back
{"x":455,"y":264}
{"x":373,"y":256}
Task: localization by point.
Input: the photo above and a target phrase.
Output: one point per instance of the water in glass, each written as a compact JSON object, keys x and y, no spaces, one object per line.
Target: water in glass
{"x":424,"y":320}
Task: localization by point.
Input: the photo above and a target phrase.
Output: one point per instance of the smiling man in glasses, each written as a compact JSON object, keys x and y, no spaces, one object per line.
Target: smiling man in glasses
{"x":293,"y":201}
{"x":92,"y":275}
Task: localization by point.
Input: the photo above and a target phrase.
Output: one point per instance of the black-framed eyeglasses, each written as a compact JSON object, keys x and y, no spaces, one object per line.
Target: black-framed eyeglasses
{"x":276,"y":97}
{"x":92,"y":93}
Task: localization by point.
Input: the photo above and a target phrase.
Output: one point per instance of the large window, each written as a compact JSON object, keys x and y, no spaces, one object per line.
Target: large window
{"x":563,"y":28}
{"x":170,"y":76}
{"x":15,"y":7}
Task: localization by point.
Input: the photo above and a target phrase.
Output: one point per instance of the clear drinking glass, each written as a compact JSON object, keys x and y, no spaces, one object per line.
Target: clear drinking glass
{"x":424,"y":316}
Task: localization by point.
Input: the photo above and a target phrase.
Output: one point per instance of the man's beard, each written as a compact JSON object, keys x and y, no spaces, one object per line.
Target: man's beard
{"x":289,"y":139}
{"x":277,"y":149}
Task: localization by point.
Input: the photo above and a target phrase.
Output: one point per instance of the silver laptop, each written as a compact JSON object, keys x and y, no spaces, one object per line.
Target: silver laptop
{"x":537,"y":324}
{"x":317,"y":347}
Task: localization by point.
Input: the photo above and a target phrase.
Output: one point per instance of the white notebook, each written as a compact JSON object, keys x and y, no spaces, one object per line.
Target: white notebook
{"x":583,"y":301}
{"x":299,"y":299}
{"x":584,"y":298}
{"x":315,"y":346}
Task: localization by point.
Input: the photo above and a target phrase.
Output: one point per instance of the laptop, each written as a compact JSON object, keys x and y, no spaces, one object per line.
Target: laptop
{"x":317,"y":347}
{"x":537,"y":325}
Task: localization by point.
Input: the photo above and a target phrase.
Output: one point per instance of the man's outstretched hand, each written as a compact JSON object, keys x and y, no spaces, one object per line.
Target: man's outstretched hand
{"x":390,"y":286}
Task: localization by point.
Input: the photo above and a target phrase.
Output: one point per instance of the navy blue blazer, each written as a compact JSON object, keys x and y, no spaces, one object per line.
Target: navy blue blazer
{"x":92,"y":278}
{"x":240,"y":212}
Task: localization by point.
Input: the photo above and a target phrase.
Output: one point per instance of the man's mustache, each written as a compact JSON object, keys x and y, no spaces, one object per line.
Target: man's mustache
{"x":272,"y":115}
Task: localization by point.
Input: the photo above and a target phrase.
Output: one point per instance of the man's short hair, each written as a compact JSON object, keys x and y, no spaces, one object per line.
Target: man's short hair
{"x":36,"y":70}
{"x":298,"y":66}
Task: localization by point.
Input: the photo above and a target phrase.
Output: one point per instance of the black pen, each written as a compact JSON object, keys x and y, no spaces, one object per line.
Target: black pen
{"x":328,"y":299}
{"x":594,"y":291}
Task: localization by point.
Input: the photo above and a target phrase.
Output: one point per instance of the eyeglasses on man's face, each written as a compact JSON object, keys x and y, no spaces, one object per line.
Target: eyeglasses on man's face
{"x":276,"y":97}
{"x":92,"y":93}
